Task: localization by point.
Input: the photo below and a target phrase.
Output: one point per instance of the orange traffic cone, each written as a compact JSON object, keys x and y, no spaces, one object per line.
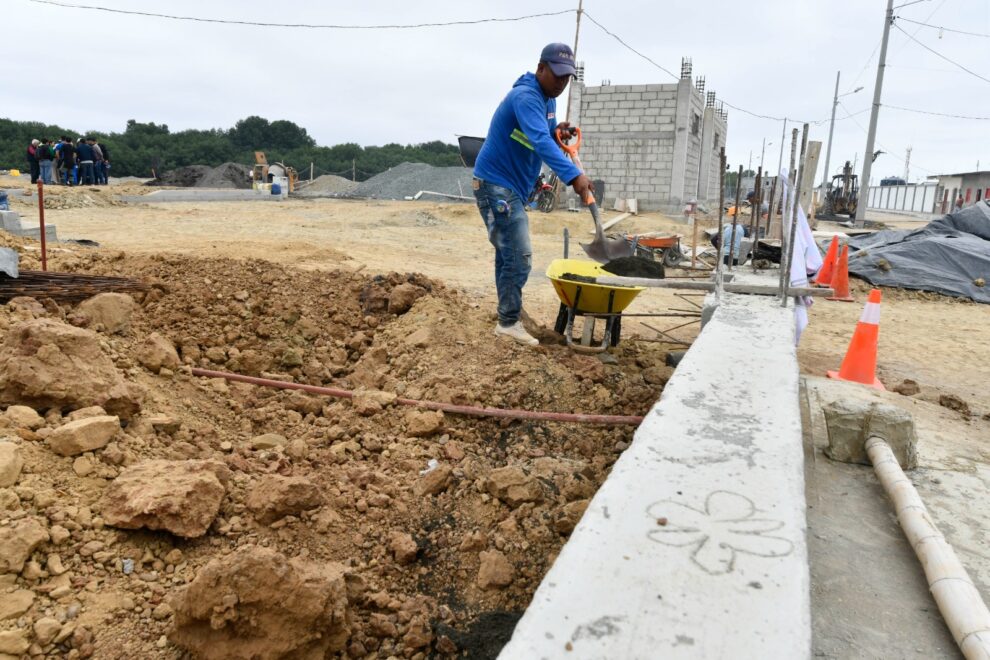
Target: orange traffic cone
{"x":860,"y":363}
{"x":828,"y":268}
{"x":840,"y":281}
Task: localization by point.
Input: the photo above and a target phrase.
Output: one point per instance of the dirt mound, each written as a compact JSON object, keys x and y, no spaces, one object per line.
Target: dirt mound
{"x":228,"y":175}
{"x":445,"y":519}
{"x":66,"y":197}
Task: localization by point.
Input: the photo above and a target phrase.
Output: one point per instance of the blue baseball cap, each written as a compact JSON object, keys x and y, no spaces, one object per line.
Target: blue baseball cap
{"x":560,"y":57}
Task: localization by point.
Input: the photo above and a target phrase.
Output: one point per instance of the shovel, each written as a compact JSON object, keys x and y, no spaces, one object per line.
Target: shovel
{"x":601,"y":249}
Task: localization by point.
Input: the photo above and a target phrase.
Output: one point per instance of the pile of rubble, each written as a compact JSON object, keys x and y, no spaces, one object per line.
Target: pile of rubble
{"x":228,"y":175}
{"x":144,"y":510}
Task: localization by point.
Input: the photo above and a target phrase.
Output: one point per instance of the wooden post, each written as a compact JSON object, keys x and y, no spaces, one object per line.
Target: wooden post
{"x":694,"y":239}
{"x":770,"y":213}
{"x":957,"y":598}
{"x":41,"y":217}
{"x":754,"y":216}
{"x":787,"y":249}
{"x":735,"y":218}
{"x":721,"y":243}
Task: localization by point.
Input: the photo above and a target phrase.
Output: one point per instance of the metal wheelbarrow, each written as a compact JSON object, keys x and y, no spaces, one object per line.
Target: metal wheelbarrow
{"x":590,"y":300}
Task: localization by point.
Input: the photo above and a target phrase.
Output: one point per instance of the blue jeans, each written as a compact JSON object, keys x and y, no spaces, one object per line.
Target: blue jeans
{"x":87,"y":172}
{"x":505,"y":218}
{"x":46,"y":171}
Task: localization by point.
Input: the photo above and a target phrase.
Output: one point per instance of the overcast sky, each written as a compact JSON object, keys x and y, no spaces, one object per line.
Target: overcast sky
{"x":775,"y":57}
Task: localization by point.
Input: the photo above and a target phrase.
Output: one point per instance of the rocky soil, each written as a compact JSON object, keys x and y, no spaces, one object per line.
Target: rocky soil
{"x":148,"y":513}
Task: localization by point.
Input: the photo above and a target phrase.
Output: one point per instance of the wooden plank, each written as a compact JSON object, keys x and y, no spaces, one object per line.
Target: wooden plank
{"x":756,"y":289}
{"x":614,"y":221}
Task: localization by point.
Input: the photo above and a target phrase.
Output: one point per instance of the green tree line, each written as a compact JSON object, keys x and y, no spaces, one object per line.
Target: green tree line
{"x":142,"y":145}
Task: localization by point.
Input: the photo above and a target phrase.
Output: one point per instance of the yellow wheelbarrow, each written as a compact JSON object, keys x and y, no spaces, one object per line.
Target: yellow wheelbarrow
{"x":573,"y":280}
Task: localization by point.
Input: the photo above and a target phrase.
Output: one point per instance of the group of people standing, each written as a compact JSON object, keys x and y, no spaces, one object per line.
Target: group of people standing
{"x":85,"y":162}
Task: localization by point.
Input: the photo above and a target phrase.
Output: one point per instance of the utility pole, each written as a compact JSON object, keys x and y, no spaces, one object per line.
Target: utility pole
{"x":864,"y":180}
{"x":907,"y":164}
{"x":353,"y":169}
{"x":577,"y":33}
{"x":831,"y":128}
{"x":783,"y":136}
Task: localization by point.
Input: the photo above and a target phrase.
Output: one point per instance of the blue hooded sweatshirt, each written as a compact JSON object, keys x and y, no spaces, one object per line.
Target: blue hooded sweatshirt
{"x":520,"y":139}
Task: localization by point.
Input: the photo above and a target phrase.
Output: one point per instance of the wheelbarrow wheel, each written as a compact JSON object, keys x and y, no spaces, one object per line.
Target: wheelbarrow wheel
{"x":645,"y":253}
{"x":546,"y":201}
{"x":561,"y":324}
{"x":672,"y":256}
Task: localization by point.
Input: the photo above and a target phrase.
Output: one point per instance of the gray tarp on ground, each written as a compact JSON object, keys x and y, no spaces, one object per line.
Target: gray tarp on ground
{"x":946,"y":256}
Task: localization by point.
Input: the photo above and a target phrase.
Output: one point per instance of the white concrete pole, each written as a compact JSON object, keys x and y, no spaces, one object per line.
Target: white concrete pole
{"x":577,"y":33}
{"x":864,"y":180}
{"x":831,"y":129}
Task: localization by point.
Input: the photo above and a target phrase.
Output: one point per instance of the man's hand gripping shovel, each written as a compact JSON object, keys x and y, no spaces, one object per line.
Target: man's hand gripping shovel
{"x":601,"y":249}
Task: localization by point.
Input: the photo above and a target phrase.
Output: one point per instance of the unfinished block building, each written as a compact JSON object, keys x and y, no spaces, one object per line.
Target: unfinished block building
{"x":656,"y":143}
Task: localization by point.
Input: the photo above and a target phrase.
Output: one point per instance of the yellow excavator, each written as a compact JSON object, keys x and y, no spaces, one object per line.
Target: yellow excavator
{"x":842,"y":195}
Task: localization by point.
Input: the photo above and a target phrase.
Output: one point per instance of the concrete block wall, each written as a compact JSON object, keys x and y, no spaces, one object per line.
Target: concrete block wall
{"x":629,"y":133}
{"x":644,"y":141}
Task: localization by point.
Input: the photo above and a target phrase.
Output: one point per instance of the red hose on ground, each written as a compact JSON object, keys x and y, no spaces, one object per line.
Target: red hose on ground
{"x":607,"y":420}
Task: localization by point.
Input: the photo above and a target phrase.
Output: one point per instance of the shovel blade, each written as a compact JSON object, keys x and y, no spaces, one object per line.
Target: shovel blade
{"x":602,"y":249}
{"x":607,"y":249}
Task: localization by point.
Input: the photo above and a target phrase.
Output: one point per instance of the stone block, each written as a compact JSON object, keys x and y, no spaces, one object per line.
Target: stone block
{"x":10,"y":221}
{"x":851,"y":422}
{"x":35,"y":233}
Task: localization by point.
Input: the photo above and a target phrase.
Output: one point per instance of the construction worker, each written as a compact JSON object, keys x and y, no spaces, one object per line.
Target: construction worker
{"x":520,"y":138}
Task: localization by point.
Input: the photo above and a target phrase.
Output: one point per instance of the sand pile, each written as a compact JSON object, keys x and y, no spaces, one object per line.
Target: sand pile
{"x":326,"y":185}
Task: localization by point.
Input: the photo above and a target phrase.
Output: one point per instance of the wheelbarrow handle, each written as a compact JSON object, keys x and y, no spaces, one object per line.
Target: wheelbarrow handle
{"x":571,"y":149}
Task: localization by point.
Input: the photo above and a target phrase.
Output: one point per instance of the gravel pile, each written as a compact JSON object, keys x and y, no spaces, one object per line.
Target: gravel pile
{"x":407,"y":179}
{"x":328,"y":184}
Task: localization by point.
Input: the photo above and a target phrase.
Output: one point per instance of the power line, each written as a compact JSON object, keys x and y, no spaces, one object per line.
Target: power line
{"x":887,"y":150}
{"x":676,"y":77}
{"x":619,"y":39}
{"x":329,"y":26}
{"x":937,"y":114}
{"x":935,"y":52}
{"x":944,"y":29}
{"x":867,"y":64}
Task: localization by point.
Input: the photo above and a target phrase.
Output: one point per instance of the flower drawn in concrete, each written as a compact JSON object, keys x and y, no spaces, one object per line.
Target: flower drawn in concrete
{"x":718,"y":533}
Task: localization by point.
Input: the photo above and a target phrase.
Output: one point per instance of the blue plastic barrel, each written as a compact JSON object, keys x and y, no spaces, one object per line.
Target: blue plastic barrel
{"x":276,"y":189}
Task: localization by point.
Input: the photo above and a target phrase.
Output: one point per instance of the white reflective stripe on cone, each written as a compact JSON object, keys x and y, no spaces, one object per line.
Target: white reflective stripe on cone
{"x":871,"y":314}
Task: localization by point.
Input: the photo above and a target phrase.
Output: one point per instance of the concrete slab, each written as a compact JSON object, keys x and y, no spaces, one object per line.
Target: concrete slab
{"x":694,"y":547}
{"x":10,"y":221}
{"x":51,"y":235}
{"x":200,"y":195}
{"x":869,"y":595}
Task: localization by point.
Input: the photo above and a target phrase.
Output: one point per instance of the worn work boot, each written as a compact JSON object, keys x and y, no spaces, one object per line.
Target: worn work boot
{"x":517,"y":332}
